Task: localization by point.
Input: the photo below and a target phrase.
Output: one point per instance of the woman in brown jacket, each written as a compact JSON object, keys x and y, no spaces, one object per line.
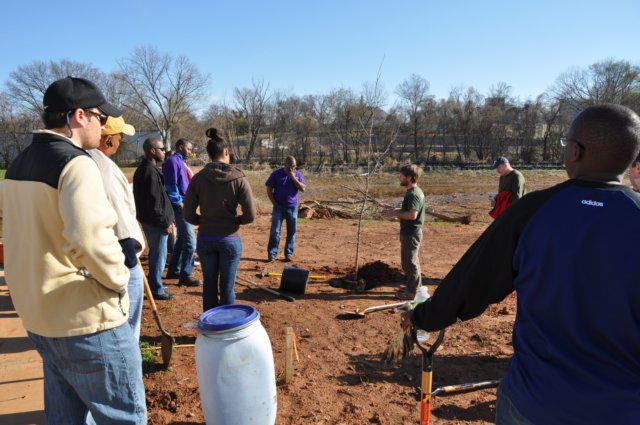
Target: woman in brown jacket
{"x":218,"y":189}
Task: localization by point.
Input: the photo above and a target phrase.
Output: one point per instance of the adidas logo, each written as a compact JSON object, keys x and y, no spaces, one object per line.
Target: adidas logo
{"x":592,"y":203}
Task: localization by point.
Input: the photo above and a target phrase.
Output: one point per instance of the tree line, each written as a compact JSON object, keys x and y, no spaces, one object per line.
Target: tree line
{"x":167,"y":95}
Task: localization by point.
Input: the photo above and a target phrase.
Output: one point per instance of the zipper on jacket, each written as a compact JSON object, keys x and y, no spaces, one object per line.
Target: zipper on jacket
{"x":120,"y":304}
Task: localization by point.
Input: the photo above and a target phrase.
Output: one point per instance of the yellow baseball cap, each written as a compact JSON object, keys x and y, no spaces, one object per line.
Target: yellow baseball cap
{"x":117,"y":126}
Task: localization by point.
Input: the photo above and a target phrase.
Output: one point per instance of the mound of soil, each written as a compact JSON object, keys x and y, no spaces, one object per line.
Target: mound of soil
{"x":379,"y":271}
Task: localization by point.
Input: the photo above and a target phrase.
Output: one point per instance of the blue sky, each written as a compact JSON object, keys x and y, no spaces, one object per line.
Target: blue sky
{"x":312,"y":47}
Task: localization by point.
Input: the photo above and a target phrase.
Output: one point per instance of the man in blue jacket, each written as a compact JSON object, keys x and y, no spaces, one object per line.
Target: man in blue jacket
{"x":176,"y":181}
{"x":570,"y":255}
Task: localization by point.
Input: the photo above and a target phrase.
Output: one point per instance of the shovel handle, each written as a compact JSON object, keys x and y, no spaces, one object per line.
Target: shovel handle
{"x":470,"y":386}
{"x":386,"y":306}
{"x":314,"y":277}
{"x":280,"y":294}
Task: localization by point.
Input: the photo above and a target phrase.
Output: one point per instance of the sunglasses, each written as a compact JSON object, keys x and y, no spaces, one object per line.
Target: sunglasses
{"x":101,"y":116}
{"x":565,"y":141}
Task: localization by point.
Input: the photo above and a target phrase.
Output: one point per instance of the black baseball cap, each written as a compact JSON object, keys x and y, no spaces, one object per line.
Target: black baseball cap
{"x":72,"y":93}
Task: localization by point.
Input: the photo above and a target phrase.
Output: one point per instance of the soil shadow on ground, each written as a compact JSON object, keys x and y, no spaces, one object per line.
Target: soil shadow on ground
{"x":15,"y":345}
{"x":447,"y":369}
{"x":32,"y":417}
{"x":447,"y":409}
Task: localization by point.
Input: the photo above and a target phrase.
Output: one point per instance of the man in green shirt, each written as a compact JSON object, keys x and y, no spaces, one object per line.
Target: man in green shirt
{"x":411,"y":217}
{"x":510,"y":187}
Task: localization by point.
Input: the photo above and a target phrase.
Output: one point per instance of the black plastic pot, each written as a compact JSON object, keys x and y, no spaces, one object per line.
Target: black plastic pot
{"x":294,"y":280}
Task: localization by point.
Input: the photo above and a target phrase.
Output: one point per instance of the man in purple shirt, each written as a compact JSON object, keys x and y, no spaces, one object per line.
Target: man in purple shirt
{"x":176,"y":182}
{"x":283,"y":186}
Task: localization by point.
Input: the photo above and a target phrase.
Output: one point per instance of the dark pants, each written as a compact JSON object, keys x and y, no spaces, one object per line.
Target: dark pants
{"x":184,"y":251}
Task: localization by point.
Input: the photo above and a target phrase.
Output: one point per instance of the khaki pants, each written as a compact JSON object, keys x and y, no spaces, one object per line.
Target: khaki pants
{"x":409,"y":247}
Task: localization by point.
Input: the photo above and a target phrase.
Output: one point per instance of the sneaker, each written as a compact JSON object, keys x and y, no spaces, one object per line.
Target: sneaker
{"x":271,"y":259}
{"x":189,"y":281}
{"x":164,"y":297}
{"x":171,"y":275}
{"x":288,"y":258}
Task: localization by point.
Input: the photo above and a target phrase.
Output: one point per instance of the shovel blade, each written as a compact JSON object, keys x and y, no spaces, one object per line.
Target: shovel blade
{"x":166,"y":348}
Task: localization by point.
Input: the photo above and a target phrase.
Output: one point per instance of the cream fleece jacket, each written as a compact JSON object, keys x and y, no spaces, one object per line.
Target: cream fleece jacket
{"x":63,"y":263}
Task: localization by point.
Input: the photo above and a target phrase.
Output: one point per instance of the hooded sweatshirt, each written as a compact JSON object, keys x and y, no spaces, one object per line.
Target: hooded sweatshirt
{"x":218,"y":189}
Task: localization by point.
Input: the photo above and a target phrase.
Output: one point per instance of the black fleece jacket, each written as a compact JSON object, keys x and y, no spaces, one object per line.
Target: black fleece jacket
{"x":152,"y":202}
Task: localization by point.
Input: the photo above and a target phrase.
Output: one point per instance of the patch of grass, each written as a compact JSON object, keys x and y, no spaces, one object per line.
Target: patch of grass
{"x":148,"y":355}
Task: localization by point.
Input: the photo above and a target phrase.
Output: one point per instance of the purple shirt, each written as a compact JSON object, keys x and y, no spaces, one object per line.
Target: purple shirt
{"x":176,"y":179}
{"x":284,"y":190}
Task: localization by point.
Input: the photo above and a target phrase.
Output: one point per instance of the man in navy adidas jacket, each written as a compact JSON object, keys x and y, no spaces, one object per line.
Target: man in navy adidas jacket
{"x":569,"y":253}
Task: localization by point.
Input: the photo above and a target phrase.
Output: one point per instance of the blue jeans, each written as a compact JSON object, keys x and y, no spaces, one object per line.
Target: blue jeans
{"x":290,"y":215}
{"x":135,"y":290}
{"x":99,"y":373}
{"x":157,"y":242}
{"x":219,"y":262}
{"x":506,"y":412}
{"x":184,"y":251}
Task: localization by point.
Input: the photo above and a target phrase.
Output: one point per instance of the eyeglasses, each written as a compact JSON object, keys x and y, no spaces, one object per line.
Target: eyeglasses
{"x":101,"y":116}
{"x":565,"y":141}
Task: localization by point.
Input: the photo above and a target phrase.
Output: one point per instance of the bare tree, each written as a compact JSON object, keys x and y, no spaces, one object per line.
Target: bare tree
{"x":252,"y":102}
{"x":161,"y":87}
{"x":464,"y":106}
{"x":321,"y":113}
{"x":607,"y":81}
{"x":414,"y":96}
{"x":222,"y":117}
{"x":27,"y":84}
{"x":373,"y":98}
{"x":343,"y":104}
{"x":15,"y":129}
{"x":550,"y":116}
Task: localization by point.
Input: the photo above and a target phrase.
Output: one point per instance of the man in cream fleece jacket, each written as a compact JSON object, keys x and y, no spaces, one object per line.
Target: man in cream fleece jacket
{"x":65,"y":268}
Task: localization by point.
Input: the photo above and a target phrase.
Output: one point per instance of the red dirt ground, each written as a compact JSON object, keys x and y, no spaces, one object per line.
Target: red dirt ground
{"x":340,"y":377}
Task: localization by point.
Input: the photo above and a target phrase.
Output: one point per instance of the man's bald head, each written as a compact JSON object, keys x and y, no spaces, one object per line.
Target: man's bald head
{"x":150,"y":143}
{"x":608,"y":136}
{"x":153,"y":149}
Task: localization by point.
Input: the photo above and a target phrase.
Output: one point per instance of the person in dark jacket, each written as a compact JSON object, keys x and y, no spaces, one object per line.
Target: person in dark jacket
{"x":218,"y":189}
{"x":154,"y":212}
{"x":569,"y":254}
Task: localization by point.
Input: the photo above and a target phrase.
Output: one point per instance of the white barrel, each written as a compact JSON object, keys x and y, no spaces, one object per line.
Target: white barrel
{"x":235,"y":368}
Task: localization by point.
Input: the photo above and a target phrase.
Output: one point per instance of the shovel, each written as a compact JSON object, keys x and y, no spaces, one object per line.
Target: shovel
{"x":166,"y":340}
{"x":264,"y":288}
{"x":265,"y":273}
{"x":358,"y":313}
{"x":427,"y":375}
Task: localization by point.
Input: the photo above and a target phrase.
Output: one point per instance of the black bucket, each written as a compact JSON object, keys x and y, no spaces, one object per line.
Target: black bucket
{"x":294,"y":280}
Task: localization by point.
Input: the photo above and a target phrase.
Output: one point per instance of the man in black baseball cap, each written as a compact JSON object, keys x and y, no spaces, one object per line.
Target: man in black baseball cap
{"x":69,"y":283}
{"x":72,"y":93}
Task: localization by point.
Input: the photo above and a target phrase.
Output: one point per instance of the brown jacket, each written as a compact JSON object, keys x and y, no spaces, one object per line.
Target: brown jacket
{"x":218,"y":189}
